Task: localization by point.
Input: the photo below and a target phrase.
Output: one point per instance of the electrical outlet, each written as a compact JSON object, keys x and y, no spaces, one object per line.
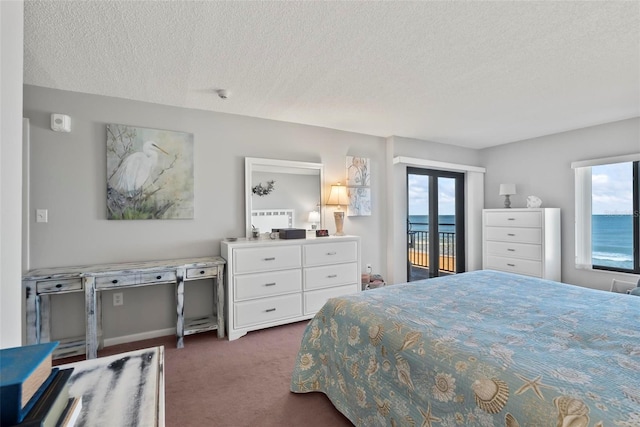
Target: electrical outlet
{"x":369,"y":269}
{"x":118,"y":299}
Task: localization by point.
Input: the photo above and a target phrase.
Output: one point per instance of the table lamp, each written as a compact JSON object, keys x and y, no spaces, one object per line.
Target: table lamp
{"x":507,"y":190}
{"x":314,"y":219}
{"x":338,"y":197}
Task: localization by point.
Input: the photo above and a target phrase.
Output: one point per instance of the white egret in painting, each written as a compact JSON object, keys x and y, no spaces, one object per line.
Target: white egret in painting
{"x":136,"y":169}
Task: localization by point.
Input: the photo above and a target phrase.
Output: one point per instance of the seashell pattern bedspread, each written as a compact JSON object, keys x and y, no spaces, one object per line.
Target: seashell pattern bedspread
{"x":482,"y":348}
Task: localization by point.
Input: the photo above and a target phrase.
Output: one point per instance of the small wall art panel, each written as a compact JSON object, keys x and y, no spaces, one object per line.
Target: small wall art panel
{"x":149,"y":173}
{"x":358,"y":186}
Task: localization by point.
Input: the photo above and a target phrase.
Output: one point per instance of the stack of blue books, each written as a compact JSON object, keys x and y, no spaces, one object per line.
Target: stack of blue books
{"x":32,"y":391}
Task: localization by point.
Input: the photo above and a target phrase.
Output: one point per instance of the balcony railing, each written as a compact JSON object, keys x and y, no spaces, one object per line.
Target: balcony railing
{"x":418,"y":248}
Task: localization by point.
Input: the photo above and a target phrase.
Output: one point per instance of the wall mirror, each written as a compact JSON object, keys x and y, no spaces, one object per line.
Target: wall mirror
{"x":282,"y":194}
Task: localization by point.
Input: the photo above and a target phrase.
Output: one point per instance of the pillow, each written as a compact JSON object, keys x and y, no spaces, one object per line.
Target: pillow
{"x":635,"y":291}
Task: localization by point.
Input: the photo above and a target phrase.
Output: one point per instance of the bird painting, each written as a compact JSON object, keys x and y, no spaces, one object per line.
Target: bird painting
{"x":149,"y":173}
{"x":136,"y":169}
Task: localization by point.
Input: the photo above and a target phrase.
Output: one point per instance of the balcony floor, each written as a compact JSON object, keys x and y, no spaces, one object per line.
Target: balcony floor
{"x":419,"y":273}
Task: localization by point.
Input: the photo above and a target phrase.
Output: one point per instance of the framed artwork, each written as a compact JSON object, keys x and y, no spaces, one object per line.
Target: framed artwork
{"x":359,"y":201}
{"x":358,"y":172}
{"x":358,"y":186}
{"x":149,"y":173}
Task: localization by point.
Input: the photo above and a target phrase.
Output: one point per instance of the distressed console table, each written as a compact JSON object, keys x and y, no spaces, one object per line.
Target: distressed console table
{"x":41,"y":284}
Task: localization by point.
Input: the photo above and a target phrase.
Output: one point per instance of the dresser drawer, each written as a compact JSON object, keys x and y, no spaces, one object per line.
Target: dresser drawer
{"x":203,"y":272}
{"x":266,"y":310}
{"x":330,"y":253}
{"x":513,"y":234}
{"x":63,"y":285}
{"x":252,"y":260}
{"x":517,"y":250}
{"x":266,"y":284}
{"x":513,"y":219}
{"x":330,"y":275}
{"x":314,"y":300}
{"x":106,"y":282}
{"x":513,"y":265}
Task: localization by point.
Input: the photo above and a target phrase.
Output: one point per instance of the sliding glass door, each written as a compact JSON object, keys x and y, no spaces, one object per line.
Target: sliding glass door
{"x":435,"y":223}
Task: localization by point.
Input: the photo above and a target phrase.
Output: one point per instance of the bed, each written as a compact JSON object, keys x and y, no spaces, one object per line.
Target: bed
{"x":482,"y":348}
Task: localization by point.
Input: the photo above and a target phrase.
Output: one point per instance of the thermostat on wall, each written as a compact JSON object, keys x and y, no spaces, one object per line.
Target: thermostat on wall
{"x":60,"y":123}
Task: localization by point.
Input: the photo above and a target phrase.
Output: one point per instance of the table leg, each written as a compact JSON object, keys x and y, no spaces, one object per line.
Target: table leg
{"x":32,"y":312}
{"x":180,"y":273}
{"x":43,"y":304}
{"x":92,"y":324}
{"x":219,"y":296}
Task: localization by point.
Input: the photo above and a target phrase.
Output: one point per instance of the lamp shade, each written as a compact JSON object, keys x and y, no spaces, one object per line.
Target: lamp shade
{"x":338,"y":195}
{"x":314,"y":216}
{"x":507,"y":189}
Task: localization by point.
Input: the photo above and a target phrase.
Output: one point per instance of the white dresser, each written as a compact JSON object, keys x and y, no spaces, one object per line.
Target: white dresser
{"x":523,"y":241}
{"x":273,"y":282}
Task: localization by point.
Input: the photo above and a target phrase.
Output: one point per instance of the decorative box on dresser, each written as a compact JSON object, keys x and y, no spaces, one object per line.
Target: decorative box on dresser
{"x":274,"y":282}
{"x":523,"y":241}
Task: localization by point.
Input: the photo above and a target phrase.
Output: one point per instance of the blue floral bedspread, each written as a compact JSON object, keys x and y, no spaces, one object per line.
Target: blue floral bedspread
{"x":481,"y":348}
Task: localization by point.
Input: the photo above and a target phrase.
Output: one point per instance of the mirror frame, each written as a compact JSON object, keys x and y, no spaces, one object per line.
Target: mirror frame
{"x":253,"y":163}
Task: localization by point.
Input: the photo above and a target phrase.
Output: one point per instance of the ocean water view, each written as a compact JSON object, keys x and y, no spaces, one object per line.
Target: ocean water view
{"x":421,"y":223}
{"x":612,"y":241}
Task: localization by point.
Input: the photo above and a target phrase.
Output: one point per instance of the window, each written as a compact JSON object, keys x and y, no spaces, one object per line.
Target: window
{"x":607,"y":214}
{"x":435,"y":223}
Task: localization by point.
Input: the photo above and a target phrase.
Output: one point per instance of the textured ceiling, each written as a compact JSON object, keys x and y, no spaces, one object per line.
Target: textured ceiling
{"x":473,"y":74}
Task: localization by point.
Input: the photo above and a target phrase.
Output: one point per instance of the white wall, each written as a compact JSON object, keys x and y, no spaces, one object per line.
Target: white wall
{"x":11,"y":29}
{"x":542,"y":167}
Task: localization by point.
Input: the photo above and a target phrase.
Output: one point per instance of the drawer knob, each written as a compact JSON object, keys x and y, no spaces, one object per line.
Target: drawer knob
{"x":270,"y":309}
{"x":511,"y":234}
{"x":158,"y":277}
{"x":114,"y":281}
{"x":270,"y":284}
{"x":59,"y":285}
{"x":331,"y":253}
{"x":331,"y":276}
{"x":201,"y":271}
{"x":270,"y":258}
{"x":511,"y":219}
{"x":511,"y":250}
{"x":511,"y":265}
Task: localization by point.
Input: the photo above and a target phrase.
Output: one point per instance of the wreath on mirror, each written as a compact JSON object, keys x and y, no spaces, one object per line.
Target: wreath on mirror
{"x":262,"y":190}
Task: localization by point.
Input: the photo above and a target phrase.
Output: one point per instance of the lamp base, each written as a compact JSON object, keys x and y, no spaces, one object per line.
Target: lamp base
{"x":339,"y":217}
{"x":507,"y":202}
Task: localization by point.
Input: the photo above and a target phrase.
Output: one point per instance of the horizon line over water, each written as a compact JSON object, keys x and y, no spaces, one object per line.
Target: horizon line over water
{"x":421,"y":223}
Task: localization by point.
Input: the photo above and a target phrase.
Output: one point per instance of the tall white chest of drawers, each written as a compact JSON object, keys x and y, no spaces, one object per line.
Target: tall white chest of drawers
{"x":523,"y":241}
{"x":274,"y":282}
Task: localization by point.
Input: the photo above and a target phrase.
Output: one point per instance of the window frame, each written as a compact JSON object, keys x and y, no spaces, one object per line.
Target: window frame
{"x":583,"y":212}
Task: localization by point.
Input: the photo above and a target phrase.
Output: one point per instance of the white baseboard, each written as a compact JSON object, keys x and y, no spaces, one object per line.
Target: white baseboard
{"x":139,"y":337}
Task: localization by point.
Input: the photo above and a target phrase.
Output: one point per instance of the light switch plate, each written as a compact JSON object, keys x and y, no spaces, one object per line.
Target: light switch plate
{"x":42,"y":215}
